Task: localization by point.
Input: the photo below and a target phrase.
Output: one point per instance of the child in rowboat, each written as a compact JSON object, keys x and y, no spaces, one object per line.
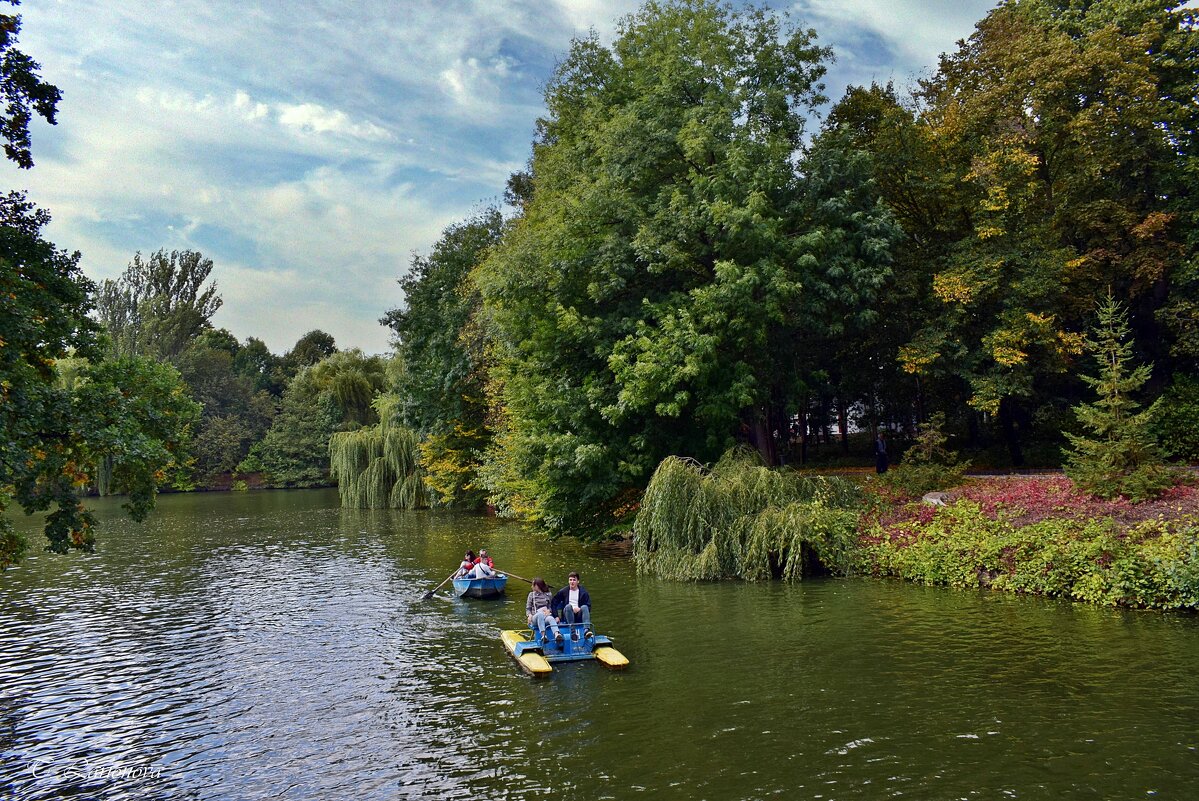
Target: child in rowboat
{"x":537,"y":609}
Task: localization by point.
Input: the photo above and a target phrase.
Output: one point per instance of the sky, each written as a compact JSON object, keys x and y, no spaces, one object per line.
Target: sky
{"x":311,"y":148}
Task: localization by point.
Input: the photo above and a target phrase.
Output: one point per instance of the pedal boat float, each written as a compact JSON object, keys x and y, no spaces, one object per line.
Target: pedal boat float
{"x":490,"y":587}
{"x":537,"y":656}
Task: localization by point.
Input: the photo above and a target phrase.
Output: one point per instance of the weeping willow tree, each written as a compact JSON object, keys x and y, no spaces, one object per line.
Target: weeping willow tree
{"x":743,"y":520}
{"x":378,"y":467}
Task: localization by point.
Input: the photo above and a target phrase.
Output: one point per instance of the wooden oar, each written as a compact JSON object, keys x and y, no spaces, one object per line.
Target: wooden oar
{"x":429,"y":594}
{"x":522,"y":578}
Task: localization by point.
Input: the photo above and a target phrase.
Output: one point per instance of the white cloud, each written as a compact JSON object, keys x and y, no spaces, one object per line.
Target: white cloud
{"x":913,"y":34}
{"x":603,"y":16}
{"x":315,"y":118}
{"x":252,"y":110}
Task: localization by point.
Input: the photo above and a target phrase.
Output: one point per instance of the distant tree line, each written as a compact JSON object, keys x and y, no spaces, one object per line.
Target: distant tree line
{"x":127,"y":387}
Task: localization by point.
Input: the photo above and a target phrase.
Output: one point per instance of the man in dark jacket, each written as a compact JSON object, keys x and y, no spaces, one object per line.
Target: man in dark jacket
{"x":571,"y":602}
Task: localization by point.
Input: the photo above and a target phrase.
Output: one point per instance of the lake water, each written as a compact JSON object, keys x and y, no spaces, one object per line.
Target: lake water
{"x":271,"y":645}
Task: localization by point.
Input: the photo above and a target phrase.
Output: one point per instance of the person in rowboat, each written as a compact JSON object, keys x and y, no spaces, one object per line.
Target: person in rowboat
{"x":482,"y":567}
{"x":468,"y":564}
{"x":571,"y":602}
{"x":537,"y":609}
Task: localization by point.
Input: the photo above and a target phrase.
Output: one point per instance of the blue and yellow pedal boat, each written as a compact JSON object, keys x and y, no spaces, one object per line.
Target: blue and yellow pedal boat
{"x":537,"y":655}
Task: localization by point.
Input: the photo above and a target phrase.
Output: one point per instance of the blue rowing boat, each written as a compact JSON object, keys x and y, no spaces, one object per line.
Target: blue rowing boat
{"x":490,"y":587}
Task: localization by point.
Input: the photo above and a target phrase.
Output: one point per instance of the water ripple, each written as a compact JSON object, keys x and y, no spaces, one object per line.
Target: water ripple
{"x":270,"y":645}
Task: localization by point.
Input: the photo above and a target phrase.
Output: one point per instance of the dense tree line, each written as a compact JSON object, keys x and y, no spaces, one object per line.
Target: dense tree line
{"x":689,"y":267}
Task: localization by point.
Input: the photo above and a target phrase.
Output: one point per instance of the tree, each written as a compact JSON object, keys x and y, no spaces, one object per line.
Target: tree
{"x":839,"y":339}
{"x":336,"y":394}
{"x":653,"y":296}
{"x":234,"y":416}
{"x":1061,"y":134}
{"x":378,"y":467}
{"x":137,"y":422}
{"x":43,"y":317}
{"x":159,"y":306}
{"x":896,"y":374}
{"x":25,"y":93}
{"x":1120,"y":455}
{"x":353,"y":380}
{"x":309,"y":349}
{"x":55,"y":435}
{"x":295,"y":450}
{"x":927,"y":465}
{"x":255,"y":361}
{"x":440,"y":342}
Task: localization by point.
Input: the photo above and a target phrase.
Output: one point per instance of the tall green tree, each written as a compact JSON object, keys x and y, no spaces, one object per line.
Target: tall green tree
{"x":137,"y":424}
{"x":1118,"y":454}
{"x":295,"y":450}
{"x":650,"y":298}
{"x":131,"y":417}
{"x":235,"y":414}
{"x":440,"y":341}
{"x":160,"y":305}
{"x":308,"y":350}
{"x":43,"y":318}
{"x":894,"y":377}
{"x":54,"y":434}
{"x":255,"y":361}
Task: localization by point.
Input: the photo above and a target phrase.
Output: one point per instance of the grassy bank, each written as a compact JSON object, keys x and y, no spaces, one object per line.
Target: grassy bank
{"x":1040,"y":535}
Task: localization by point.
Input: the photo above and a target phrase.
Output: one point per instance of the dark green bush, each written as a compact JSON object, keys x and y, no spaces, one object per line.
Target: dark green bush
{"x":927,"y":465}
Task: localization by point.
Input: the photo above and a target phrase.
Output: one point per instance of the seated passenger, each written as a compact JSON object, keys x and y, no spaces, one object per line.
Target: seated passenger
{"x":537,"y":609}
{"x":467,"y":564}
{"x":572,"y":601}
{"x":483,"y":567}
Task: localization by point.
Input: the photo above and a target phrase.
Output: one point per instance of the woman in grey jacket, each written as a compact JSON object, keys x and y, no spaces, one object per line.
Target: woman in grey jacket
{"x":537,"y":609}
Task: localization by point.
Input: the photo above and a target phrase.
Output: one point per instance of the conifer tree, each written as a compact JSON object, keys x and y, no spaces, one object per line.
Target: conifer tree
{"x":1118,"y":455}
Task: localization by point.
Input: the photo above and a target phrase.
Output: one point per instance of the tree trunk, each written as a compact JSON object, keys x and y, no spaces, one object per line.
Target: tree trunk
{"x":761,"y":435}
{"x":1011,"y":432}
{"x":843,"y":422}
{"x":803,"y":431}
{"x":824,"y":419}
{"x":920,"y":418}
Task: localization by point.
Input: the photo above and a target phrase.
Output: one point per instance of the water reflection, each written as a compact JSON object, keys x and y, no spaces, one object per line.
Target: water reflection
{"x":272,"y":645}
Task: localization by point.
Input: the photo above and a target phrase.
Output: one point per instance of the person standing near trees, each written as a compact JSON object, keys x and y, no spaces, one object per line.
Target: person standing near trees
{"x":571,"y":602}
{"x":881,"y":459}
